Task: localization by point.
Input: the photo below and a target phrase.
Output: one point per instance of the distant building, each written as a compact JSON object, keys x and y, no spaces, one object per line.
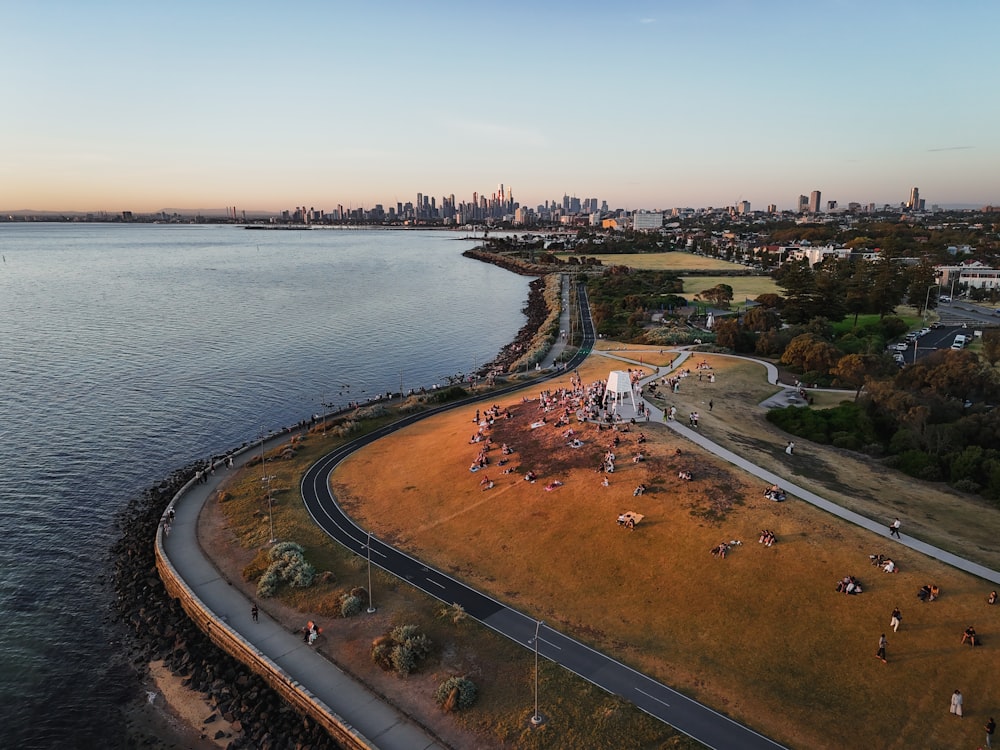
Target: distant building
{"x":646,"y":221}
{"x":743,"y":207}
{"x":914,"y":202}
{"x":973,"y":273}
{"x":803,"y":203}
{"x":814,"y":199}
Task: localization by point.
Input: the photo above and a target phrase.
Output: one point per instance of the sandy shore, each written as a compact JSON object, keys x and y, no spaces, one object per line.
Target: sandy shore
{"x":175,"y":717}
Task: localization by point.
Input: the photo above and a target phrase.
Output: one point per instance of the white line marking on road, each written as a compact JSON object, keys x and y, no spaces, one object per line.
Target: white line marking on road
{"x":653,"y":697}
{"x":431,"y":580}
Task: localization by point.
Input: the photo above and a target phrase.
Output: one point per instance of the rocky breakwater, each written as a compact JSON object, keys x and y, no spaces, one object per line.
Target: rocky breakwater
{"x":160,"y":629}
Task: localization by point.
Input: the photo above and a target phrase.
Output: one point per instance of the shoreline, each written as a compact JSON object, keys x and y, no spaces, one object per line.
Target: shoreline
{"x":171,"y":710}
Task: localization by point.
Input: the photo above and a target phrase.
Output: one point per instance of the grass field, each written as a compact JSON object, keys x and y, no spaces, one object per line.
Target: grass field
{"x":744,"y":287}
{"x":674,"y":261}
{"x":761,"y":635}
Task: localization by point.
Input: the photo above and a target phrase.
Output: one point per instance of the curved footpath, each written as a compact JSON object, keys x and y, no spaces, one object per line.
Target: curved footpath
{"x":374,"y":724}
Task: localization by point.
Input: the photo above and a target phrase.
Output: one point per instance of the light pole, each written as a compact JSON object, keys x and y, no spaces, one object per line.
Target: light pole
{"x":371,"y":601}
{"x":537,"y":718}
{"x":270,"y":513}
{"x":927,"y":299}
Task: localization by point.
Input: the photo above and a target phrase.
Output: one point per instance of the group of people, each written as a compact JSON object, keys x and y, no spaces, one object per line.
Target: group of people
{"x":311,"y":632}
{"x":775,"y":493}
{"x":928,"y":593}
{"x":767,"y":537}
{"x":722,"y":548}
{"x":849,"y":585}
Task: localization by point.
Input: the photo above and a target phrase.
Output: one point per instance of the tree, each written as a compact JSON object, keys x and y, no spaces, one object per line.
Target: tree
{"x":761,"y":319}
{"x":719,"y":295}
{"x":811,"y":353}
{"x":802,"y":301}
{"x":991,"y":346}
{"x":851,"y":370}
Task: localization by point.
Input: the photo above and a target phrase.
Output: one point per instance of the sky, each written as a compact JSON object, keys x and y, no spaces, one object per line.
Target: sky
{"x":140,"y":106}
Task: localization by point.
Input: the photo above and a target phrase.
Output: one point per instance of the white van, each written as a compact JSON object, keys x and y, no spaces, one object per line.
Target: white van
{"x":960,"y":342}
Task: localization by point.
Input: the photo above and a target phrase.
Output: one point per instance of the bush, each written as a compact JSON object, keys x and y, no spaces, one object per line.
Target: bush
{"x":456,"y":693}
{"x":967,"y":485}
{"x":401,"y":649}
{"x":449,"y":394}
{"x":288,"y":565}
{"x":350,"y":606}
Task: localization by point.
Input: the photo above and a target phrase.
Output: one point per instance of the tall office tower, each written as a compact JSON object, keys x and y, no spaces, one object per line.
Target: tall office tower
{"x":743,"y":207}
{"x":803,"y":203}
{"x":772,"y":208}
{"x":814,"y":198}
{"x":914,"y":204}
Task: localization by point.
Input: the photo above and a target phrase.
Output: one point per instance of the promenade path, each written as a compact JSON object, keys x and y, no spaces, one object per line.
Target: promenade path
{"x":379,"y":724}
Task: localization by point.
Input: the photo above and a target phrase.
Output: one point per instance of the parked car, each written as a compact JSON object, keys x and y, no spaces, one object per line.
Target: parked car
{"x":899,"y":347}
{"x":944,"y":298}
{"x":936,"y":324}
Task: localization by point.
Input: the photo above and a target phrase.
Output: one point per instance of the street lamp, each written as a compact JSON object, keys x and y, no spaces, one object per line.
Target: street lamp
{"x":371,"y":602}
{"x":537,"y":718}
{"x":266,"y":479}
{"x":927,"y":299}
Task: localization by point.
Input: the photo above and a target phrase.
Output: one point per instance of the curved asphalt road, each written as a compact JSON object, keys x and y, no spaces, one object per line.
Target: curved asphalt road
{"x":688,"y":716}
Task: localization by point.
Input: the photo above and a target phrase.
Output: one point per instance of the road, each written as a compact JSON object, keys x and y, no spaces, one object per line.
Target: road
{"x":684,"y":714}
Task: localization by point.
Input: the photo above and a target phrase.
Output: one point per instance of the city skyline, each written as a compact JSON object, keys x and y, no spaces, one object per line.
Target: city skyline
{"x":645,"y":106}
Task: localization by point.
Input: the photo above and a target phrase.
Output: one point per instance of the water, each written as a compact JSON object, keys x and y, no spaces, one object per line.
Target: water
{"x":127,"y":351}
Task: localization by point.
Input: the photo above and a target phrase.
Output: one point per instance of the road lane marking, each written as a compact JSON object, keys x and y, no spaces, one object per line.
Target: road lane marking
{"x":652,"y":697}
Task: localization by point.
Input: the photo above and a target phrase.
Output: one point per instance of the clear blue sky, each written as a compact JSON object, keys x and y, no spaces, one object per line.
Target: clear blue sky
{"x":140,"y":105}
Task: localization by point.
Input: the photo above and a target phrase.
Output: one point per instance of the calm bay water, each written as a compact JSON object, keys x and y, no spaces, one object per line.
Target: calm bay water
{"x":128,"y":351}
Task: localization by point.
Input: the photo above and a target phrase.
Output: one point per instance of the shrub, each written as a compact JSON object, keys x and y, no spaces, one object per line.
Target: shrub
{"x":456,"y":693}
{"x":967,"y":485}
{"x":450,"y":394}
{"x":288,"y":565}
{"x":401,"y":649}
{"x":350,"y":606}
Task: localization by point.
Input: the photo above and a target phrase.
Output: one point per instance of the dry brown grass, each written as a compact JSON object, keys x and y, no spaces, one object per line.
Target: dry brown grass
{"x":760,"y":635}
{"x":233,"y":531}
{"x":673,"y":261}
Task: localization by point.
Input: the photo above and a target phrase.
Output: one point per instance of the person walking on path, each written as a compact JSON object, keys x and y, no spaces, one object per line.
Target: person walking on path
{"x":991,"y":727}
{"x":896,"y":617}
{"x":956,"y":703}
{"x":254,"y":612}
{"x":894,"y":529}
{"x":790,"y":448}
{"x":882,"y":642}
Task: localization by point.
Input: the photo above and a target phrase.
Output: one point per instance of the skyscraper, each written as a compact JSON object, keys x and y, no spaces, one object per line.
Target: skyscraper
{"x":814,"y":198}
{"x":914,"y":204}
{"x":803,"y":204}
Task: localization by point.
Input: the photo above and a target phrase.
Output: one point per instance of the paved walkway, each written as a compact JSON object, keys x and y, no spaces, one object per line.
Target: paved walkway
{"x":379,"y":723}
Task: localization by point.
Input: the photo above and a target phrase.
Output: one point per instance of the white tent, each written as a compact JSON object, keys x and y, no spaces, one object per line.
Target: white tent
{"x":619,"y":386}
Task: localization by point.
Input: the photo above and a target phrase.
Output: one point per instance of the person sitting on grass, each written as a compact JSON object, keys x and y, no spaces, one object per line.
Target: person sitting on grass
{"x":890,"y":567}
{"x":970,"y":636}
{"x":992,"y":598}
{"x":639,"y":490}
{"x":720,"y":550}
{"x":530,"y":476}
